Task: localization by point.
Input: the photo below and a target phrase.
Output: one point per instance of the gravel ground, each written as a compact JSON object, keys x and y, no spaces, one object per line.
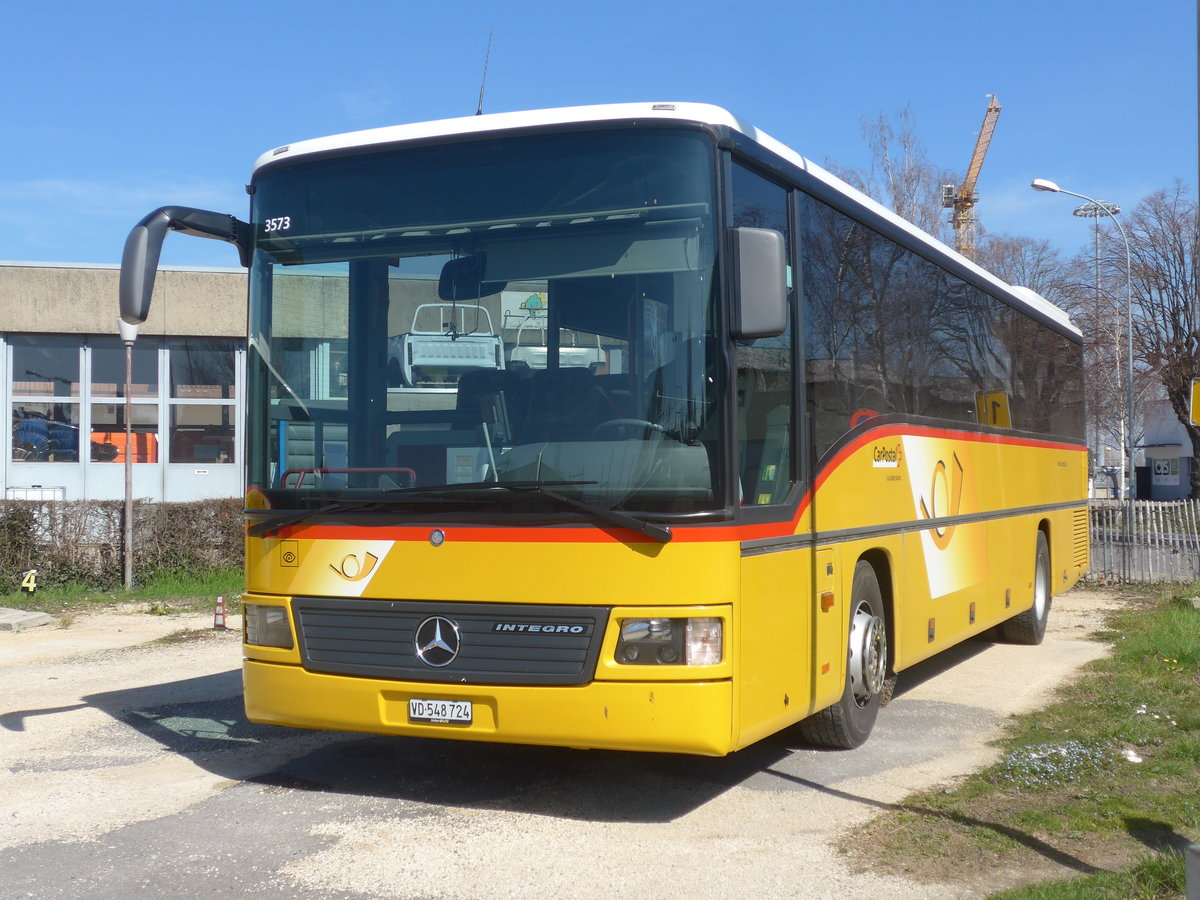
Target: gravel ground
{"x":84,"y":762}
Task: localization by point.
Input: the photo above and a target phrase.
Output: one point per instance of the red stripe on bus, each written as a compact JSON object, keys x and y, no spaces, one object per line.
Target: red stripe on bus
{"x":602,"y":534}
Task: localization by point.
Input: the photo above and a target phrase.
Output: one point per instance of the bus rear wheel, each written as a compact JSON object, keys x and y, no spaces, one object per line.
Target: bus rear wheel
{"x":848,"y":723}
{"x":1029,"y":627}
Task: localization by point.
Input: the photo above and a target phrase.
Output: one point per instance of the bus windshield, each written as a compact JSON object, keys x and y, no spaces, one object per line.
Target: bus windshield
{"x":533,"y":310}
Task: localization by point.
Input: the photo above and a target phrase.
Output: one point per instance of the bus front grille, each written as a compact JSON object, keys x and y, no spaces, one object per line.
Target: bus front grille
{"x":460,"y":643}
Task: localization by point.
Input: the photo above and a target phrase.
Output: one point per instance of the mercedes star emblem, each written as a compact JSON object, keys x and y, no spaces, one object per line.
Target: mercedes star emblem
{"x":437,"y":641}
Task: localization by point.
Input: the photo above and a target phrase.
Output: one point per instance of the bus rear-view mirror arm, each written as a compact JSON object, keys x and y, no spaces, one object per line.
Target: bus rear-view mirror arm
{"x":139,"y":262}
{"x":760,"y":283}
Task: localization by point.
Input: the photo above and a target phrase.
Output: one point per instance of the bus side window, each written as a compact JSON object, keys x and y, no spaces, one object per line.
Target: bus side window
{"x":765,"y":382}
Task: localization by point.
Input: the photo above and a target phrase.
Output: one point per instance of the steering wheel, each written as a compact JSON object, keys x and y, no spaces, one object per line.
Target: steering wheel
{"x":623,"y":429}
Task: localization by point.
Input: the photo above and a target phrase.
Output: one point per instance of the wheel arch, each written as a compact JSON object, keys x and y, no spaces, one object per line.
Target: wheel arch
{"x":1044,"y":528}
{"x":881,"y":561}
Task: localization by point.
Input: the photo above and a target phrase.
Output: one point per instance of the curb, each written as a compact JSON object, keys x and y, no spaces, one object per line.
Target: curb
{"x":21,"y":620}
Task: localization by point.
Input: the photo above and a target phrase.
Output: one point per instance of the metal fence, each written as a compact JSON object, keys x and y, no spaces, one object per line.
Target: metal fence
{"x":1163,"y":544}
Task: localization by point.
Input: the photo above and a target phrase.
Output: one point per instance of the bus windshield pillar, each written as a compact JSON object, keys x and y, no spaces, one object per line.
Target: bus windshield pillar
{"x":366,"y":367}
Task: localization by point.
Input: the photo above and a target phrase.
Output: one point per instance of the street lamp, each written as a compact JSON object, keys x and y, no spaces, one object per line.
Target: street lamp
{"x":1094,"y":210}
{"x":1108,"y":209}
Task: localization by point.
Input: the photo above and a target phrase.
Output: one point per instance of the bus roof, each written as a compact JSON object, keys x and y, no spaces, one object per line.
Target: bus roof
{"x":703,"y":113}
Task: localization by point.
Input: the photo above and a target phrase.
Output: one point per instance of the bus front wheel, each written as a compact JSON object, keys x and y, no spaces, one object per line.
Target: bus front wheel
{"x":1029,"y":627}
{"x":848,"y":723}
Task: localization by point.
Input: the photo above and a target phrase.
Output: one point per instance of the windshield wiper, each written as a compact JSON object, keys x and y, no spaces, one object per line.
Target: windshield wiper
{"x":660,"y":533}
{"x":481,"y":491}
{"x":295,"y":517}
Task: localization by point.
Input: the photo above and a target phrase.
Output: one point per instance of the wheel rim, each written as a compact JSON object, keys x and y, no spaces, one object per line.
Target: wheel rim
{"x":868,"y":654}
{"x":1041,"y":586}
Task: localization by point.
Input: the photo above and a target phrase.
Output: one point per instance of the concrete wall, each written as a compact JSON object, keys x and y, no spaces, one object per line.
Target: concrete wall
{"x":59,"y":299}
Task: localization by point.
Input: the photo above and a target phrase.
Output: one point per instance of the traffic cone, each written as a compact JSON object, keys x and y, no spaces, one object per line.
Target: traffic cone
{"x":219,"y":615}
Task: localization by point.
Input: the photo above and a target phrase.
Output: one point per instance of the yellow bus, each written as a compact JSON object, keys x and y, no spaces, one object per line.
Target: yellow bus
{"x":703,"y":444}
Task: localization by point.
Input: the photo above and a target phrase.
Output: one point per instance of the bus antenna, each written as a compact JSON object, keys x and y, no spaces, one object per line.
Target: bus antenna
{"x":483,"y":83}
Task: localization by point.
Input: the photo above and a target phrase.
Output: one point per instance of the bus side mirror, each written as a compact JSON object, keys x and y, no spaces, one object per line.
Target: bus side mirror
{"x":759,"y":282}
{"x":139,"y":261}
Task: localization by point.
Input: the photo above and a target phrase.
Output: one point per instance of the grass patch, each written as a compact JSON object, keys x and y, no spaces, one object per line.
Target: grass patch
{"x":165,"y":594}
{"x":1087,"y":784}
{"x":1153,"y":878}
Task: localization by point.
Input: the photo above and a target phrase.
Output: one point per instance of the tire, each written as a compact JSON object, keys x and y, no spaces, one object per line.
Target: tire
{"x":1029,"y":627}
{"x":848,"y":723}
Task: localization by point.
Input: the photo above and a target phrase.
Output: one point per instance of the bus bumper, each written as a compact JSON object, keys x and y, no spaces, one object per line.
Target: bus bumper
{"x":673,"y":717}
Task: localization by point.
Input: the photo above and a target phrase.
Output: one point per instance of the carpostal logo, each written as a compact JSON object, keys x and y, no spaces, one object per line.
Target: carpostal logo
{"x":887,"y":456}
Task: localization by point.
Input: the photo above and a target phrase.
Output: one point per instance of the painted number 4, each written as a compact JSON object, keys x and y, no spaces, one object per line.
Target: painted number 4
{"x":29,"y":581}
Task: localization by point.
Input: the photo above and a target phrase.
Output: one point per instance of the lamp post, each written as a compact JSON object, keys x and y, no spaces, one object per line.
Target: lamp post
{"x":1094,"y":210}
{"x":128,"y":336}
{"x":1108,"y":209}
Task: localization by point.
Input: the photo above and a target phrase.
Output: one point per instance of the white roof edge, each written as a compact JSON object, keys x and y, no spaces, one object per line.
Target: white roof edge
{"x":1038,"y":302}
{"x":689,"y":112}
{"x":705,"y":113}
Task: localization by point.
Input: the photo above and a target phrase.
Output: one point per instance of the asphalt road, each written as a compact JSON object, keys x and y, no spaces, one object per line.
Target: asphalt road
{"x":130,"y":771}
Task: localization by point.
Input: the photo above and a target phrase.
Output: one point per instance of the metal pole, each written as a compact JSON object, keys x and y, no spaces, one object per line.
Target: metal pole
{"x":1110,"y":210}
{"x":1191,"y":855}
{"x":128,"y":465}
{"x":1094,"y":209}
{"x":128,"y":335}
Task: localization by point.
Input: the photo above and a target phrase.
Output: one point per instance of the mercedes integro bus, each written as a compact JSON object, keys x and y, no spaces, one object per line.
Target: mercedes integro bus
{"x":806,"y":447}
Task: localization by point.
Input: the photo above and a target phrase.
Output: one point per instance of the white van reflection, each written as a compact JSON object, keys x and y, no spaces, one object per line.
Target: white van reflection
{"x":446,"y":340}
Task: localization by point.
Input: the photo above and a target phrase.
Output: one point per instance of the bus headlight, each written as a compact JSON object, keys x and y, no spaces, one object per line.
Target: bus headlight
{"x":266,"y":626}
{"x":670,"y":642}
{"x":704,"y":642}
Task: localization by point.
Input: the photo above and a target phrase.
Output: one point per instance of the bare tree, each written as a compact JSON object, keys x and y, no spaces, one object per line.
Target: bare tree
{"x":1164,"y":238}
{"x":900,"y":175}
{"x":1030,"y":262}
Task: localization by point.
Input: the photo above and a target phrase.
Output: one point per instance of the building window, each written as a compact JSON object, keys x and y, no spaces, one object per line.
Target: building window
{"x":203,"y":398}
{"x":108,"y":432}
{"x":108,"y":368}
{"x":68,"y":400}
{"x":108,"y":419}
{"x":45,"y":430}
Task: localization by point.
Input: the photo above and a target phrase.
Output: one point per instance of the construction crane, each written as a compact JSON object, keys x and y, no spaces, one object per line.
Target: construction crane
{"x":962,"y":199}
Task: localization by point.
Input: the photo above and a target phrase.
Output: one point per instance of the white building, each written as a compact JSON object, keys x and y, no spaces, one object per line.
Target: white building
{"x":1168,"y":454}
{"x":64,"y":384}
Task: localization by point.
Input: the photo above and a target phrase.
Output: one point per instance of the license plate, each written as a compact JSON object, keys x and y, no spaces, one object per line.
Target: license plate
{"x":439,"y":711}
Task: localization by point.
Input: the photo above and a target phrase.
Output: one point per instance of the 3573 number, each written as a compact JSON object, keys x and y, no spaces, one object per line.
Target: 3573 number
{"x":281,"y":223}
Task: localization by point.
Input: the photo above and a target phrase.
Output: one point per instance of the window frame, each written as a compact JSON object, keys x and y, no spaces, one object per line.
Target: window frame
{"x":785,"y":510}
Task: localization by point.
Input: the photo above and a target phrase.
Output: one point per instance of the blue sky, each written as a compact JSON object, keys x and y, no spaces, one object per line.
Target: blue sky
{"x":110,"y":110}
